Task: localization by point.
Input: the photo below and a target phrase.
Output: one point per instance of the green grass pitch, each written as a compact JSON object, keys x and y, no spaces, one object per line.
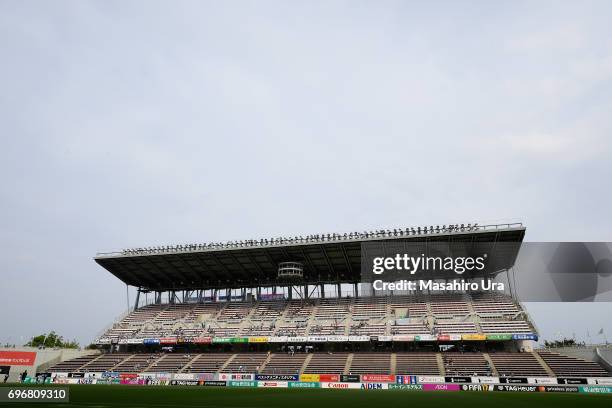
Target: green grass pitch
{"x":131,"y":396}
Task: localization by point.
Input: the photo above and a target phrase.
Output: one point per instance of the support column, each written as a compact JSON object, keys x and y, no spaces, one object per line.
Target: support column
{"x":137,"y":299}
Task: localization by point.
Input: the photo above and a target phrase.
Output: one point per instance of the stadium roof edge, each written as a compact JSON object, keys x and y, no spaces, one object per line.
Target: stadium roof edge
{"x":325,"y":261}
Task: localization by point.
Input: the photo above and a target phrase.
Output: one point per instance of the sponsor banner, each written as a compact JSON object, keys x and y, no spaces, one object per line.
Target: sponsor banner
{"x":17,"y":358}
{"x":542,"y":380}
{"x":600,"y":381}
{"x":385,"y":338}
{"x":203,"y":340}
{"x":297,"y":384}
{"x":297,"y":339}
{"x":183,"y":376}
{"x":277,"y":339}
{"x":4,"y":370}
{"x":337,"y":339}
{"x":93,"y":375}
{"x":147,"y":375}
{"x":341,"y":385}
{"x":206,"y":377}
{"x":242,"y":384}
{"x":359,"y":338}
{"x":455,"y":337}
{"x":513,"y":380}
{"x":76,"y":375}
{"x":374,"y":386}
{"x":310,"y":378}
{"x":214,"y":383}
{"x":403,"y":338}
{"x":558,"y":388}
{"x":425,"y":337}
{"x":128,"y":375}
{"x":414,"y":387}
{"x":473,"y":337}
{"x":444,"y":337}
{"x":221,"y":340}
{"x":110,"y":374}
{"x":485,"y":380}
{"x":277,"y":377}
{"x":499,"y":337}
{"x":596,"y":390}
{"x":167,"y":340}
{"x":562,"y":380}
{"x":273,"y":384}
{"x":132,"y":381}
{"x":526,"y":336}
{"x":476,"y":387}
{"x":135,"y":341}
{"x":122,"y":341}
{"x":458,"y":380}
{"x":184,"y":382}
{"x":515,"y":388}
{"x":235,"y":377}
{"x":104,"y":341}
{"x":317,"y":339}
{"x":150,"y":341}
{"x":258,"y":339}
{"x":239,"y":339}
{"x":352,"y":378}
{"x":377,"y":378}
{"x":441,"y":387}
{"x":329,"y":377}
{"x":423,"y":379}
{"x":406,"y":379}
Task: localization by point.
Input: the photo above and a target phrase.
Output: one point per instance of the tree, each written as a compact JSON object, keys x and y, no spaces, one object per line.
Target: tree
{"x":51,"y":339}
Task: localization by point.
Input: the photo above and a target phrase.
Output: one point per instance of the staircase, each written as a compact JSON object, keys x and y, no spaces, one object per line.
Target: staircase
{"x":543,"y":364}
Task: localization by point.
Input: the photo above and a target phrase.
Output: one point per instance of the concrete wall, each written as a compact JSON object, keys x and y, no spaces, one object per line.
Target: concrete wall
{"x":44,"y":359}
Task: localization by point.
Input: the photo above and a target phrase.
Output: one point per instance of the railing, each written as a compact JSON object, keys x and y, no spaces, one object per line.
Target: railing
{"x":319,"y":238}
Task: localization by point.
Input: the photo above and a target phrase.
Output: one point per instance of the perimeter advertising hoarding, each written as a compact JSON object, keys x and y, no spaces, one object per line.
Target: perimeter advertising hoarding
{"x":600,"y":381}
{"x":441,"y":387}
{"x":377,"y":378}
{"x":597,"y":390}
{"x":17,"y":358}
{"x":298,"y":384}
{"x":277,"y":377}
{"x":235,"y":377}
{"x":242,"y":383}
{"x":273,"y":384}
{"x":411,"y":387}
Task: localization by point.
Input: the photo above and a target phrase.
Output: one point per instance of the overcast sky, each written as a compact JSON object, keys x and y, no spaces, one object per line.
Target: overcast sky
{"x":147,"y":123}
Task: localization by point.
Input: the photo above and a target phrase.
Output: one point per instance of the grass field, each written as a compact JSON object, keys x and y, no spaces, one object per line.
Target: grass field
{"x":92,"y":396}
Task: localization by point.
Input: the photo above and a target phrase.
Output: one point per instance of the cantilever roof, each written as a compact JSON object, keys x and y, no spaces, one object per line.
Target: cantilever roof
{"x":324,"y":262}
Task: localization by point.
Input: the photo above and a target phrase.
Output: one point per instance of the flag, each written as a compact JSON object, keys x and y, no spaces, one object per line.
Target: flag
{"x":600,"y":331}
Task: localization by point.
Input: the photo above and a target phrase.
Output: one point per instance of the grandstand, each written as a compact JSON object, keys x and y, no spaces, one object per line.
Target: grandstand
{"x":234,"y":308}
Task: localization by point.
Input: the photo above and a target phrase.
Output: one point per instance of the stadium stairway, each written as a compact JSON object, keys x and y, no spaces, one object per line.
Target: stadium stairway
{"x":189,"y":363}
{"x":543,"y":364}
{"x":393,"y":362}
{"x":306,"y":362}
{"x":265,"y":362}
{"x":229,"y":360}
{"x":349,"y":362}
{"x":440,"y":362}
{"x":487,"y":358}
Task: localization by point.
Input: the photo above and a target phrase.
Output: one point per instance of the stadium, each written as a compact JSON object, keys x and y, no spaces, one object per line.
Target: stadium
{"x":295,"y":313}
